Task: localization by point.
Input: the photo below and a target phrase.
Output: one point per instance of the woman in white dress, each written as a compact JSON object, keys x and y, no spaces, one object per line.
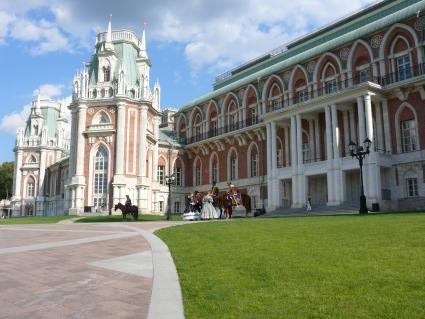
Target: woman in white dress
{"x":208,"y":210}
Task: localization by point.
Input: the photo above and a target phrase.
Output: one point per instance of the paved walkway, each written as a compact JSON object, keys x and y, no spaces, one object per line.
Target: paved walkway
{"x":103,"y":270}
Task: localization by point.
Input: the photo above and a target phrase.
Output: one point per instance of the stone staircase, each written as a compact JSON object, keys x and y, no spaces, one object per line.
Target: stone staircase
{"x":346,"y":208}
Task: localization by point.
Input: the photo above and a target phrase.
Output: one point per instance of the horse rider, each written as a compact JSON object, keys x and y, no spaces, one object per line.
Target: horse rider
{"x":128,"y":203}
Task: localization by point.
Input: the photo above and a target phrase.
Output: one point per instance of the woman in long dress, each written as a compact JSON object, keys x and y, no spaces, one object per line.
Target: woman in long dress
{"x":208,"y":210}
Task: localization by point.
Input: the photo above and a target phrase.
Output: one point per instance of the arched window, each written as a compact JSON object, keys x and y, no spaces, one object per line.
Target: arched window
{"x":197,"y":172}
{"x":275,"y":97}
{"x":106,"y":74}
{"x":406,"y":129}
{"x":232,"y":117}
{"x":32,"y":159}
{"x":197,"y":127}
{"x":329,"y":79}
{"x":101,"y":118}
{"x":232,"y":165}
{"x":100,"y":177}
{"x":411,"y":184}
{"x":214,"y":175}
{"x":402,"y":60}
{"x":178,"y":172}
{"x":30,"y":187}
{"x":408,"y":135}
{"x":254,"y":163}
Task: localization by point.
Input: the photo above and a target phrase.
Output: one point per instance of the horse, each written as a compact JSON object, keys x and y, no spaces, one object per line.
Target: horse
{"x":245,"y":202}
{"x":133,"y":211}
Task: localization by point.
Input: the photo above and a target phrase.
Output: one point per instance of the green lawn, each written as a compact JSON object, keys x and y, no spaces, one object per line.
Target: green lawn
{"x":118,"y":218}
{"x":306,"y":267}
{"x":34,"y":220}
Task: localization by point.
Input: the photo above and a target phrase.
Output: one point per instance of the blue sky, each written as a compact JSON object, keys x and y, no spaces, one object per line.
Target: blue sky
{"x":44,"y":42}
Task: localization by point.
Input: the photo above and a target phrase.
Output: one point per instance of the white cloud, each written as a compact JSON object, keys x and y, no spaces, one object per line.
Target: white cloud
{"x":5,"y":21}
{"x":49,"y":90}
{"x":10,"y":123}
{"x":216,"y":34}
{"x":45,"y":35}
{"x":17,"y":119}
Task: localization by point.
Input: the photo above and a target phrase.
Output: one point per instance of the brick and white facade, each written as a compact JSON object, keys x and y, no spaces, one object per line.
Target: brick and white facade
{"x":278,"y":127}
{"x":299,"y":106}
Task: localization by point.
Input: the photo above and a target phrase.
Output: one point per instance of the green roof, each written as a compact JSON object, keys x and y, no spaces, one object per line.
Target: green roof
{"x":167,"y":138}
{"x":50,"y":116}
{"x":126,"y":55}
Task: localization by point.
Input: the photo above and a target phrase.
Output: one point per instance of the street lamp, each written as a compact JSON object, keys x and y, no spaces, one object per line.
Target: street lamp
{"x":169,"y":180}
{"x":360,"y":153}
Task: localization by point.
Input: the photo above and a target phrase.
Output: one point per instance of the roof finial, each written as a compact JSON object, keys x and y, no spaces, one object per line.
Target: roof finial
{"x":109,"y":34}
{"x":142,"y":52}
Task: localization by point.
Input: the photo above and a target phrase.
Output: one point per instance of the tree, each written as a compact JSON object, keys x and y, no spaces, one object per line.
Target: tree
{"x":6,"y":179}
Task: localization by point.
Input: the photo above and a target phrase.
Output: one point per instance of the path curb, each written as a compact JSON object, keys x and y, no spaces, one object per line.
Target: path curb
{"x":166,"y":300}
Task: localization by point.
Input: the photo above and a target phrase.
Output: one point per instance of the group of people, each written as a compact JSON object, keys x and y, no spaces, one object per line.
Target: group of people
{"x":210,"y":205}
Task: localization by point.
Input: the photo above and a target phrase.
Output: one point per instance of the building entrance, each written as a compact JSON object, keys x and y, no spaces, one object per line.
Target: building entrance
{"x":317,"y":187}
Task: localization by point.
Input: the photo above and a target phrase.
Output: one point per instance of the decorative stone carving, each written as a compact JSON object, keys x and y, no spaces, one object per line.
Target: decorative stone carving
{"x":420,"y":24}
{"x":286,"y":77}
{"x":310,"y":66}
{"x":376,"y":41}
{"x":90,"y":111}
{"x":112,"y":110}
{"x":343,"y":54}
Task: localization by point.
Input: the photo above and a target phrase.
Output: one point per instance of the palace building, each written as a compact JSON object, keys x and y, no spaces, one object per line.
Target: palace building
{"x":278,"y":127}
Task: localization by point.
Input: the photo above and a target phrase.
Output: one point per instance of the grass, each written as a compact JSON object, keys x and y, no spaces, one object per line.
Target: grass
{"x":305,"y":267}
{"x":118,"y":218}
{"x":34,"y":220}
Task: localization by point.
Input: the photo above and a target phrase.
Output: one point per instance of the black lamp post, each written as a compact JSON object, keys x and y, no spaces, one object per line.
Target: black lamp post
{"x":360,"y":153}
{"x":169,"y":180}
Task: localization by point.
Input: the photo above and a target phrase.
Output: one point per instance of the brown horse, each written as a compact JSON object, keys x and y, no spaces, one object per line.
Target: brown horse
{"x":245,"y":202}
{"x":133,"y":211}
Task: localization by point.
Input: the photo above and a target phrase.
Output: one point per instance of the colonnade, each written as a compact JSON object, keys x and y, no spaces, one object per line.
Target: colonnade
{"x":338,"y":134}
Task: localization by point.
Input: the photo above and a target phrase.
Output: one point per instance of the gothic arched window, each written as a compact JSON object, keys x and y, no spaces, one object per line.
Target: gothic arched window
{"x":30,"y":187}
{"x":106,"y":74}
{"x":100,"y":187}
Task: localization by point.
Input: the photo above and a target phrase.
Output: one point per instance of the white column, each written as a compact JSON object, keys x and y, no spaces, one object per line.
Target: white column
{"x":270,"y":201}
{"x":317,"y":138}
{"x":293,"y":141}
{"x":311,"y":139}
{"x":155,"y":148}
{"x":379,"y":128}
{"x":119,"y":156}
{"x":335,"y":132}
{"x":74,"y":142}
{"x":361,"y":119}
{"x":286,"y":146}
{"x":369,"y":120}
{"x":329,"y":151}
{"x":346,"y":133}
{"x":42,"y":173}
{"x":387,"y":126}
{"x":82,"y":109}
{"x":329,"y":155}
{"x":273,"y":146}
{"x":18,"y":174}
{"x":142,"y":140}
{"x":299,"y":140}
{"x":353,"y":136}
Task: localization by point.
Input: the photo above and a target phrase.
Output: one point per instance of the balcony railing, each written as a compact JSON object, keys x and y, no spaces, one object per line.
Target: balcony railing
{"x":329,"y":88}
{"x":219,"y":131}
{"x":338,"y":86}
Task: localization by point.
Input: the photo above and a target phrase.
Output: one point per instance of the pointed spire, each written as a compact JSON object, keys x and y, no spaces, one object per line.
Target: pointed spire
{"x":108,"y":43}
{"x":109,"y":34}
{"x":142,"y":52}
{"x":38,"y":104}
